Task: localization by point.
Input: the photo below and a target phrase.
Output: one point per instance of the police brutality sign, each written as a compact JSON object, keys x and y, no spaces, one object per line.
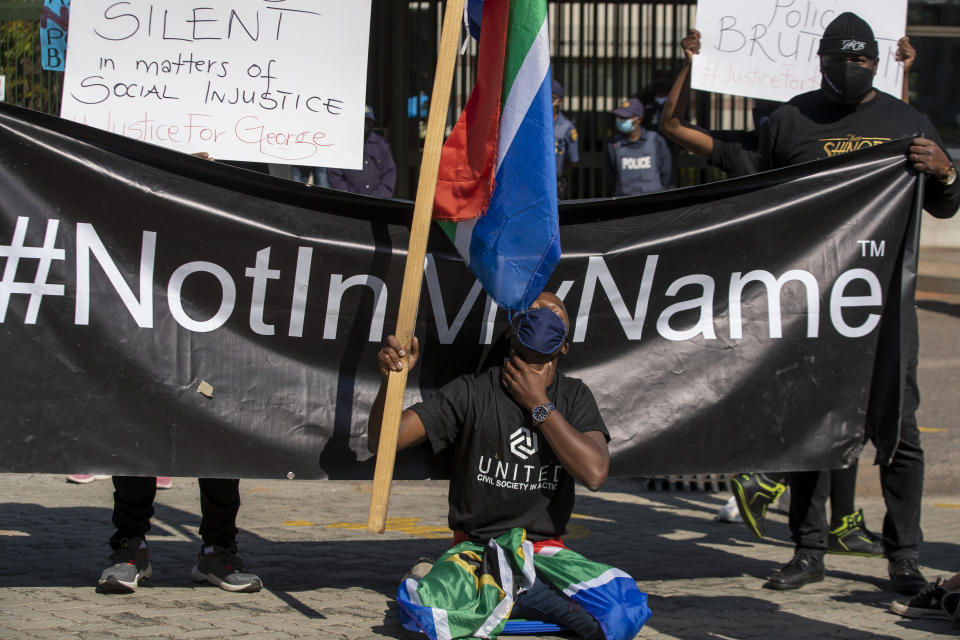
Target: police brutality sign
{"x":257,"y":80}
{"x":768,"y":50}
{"x":221,"y":322}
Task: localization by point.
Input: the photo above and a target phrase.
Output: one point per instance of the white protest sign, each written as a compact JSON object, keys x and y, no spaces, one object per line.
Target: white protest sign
{"x":280,"y":81}
{"x":767,"y":49}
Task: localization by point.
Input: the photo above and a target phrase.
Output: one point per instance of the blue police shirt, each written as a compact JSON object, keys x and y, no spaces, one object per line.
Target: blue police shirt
{"x":642,"y":166}
{"x":565,"y":142}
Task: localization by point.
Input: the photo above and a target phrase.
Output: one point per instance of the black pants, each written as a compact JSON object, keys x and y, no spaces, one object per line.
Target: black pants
{"x":133,"y":508}
{"x":901,"y":482}
{"x":842,"y":487}
{"x":546,"y":603}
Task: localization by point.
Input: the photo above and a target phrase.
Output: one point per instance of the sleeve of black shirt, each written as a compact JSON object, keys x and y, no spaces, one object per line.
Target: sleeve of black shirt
{"x":766,"y":144}
{"x":735,"y":159}
{"x":939,"y":199}
{"x":445,"y":412}
{"x":583,"y":414}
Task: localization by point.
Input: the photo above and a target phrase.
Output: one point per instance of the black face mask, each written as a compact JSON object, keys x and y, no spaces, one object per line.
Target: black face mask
{"x":846,"y":82}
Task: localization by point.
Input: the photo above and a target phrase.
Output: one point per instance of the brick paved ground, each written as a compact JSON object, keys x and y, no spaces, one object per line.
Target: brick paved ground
{"x":326,"y":577}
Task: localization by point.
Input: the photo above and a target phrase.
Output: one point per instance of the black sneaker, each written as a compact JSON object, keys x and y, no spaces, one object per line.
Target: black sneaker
{"x":803,"y":569}
{"x":926,"y":604}
{"x":754,"y":493}
{"x":906,"y":577}
{"x":223,"y":567}
{"x":852,"y":538}
{"x":130,"y":566}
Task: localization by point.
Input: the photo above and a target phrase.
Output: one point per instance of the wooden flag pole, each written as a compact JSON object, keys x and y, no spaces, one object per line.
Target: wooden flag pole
{"x":413,"y":271}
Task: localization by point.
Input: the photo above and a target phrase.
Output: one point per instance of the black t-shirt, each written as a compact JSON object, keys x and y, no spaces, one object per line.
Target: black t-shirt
{"x":504,"y":473}
{"x":811,"y":127}
{"x":736,"y":152}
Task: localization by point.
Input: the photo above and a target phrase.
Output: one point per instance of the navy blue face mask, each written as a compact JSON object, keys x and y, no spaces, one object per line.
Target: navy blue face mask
{"x":538,"y":335}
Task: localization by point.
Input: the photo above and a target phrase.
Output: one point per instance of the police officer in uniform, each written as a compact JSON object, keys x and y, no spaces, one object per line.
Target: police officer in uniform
{"x":565,"y":142}
{"x":378,"y":177}
{"x":638,"y":160}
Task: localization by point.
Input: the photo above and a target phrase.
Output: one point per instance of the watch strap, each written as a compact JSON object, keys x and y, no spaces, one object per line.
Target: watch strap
{"x":543,"y":410}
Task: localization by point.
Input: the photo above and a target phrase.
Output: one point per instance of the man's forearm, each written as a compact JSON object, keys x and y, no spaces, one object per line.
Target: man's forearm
{"x":581,"y":455}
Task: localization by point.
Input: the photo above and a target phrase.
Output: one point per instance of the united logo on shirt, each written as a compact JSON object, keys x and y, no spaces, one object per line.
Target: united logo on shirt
{"x":851,"y":142}
{"x":523,"y":443}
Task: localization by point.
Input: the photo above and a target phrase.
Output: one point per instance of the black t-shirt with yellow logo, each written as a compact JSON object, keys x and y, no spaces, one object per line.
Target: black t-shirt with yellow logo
{"x":811,"y":127}
{"x":504,"y":473}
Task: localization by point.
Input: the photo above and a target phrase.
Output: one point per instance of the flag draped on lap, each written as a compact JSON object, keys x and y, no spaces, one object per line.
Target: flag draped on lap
{"x":497,"y":187}
{"x":470,"y":591}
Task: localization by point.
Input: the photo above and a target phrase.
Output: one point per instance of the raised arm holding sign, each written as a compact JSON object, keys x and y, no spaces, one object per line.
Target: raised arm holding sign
{"x":768,"y":49}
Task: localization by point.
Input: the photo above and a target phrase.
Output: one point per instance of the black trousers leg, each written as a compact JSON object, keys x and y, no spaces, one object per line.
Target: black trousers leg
{"x":546,"y":603}
{"x":132,"y":507}
{"x":808,"y":511}
{"x":902,"y":481}
{"x":219,"y":504}
{"x":843,"y":491}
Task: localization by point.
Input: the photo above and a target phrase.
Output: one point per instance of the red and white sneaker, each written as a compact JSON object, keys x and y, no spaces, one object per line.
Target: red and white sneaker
{"x":163,"y":482}
{"x":85,"y":478}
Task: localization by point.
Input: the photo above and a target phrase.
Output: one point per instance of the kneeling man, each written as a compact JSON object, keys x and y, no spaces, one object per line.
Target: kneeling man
{"x":520,"y":435}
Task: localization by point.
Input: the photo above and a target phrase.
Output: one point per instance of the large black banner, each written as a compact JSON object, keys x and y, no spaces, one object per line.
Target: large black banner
{"x":728,"y":327}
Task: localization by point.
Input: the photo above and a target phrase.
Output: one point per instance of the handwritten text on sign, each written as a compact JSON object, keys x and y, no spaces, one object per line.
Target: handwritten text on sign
{"x":258,"y":80}
{"x":767,"y":49}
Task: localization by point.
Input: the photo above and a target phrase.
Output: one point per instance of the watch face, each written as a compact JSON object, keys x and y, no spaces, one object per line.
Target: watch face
{"x":539,"y":413}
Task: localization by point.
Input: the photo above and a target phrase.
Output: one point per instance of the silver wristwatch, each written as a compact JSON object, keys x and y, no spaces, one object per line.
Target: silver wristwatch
{"x":541,"y":411}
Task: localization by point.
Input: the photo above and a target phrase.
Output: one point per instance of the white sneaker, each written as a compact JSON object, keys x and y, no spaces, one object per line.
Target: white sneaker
{"x":729,"y":512}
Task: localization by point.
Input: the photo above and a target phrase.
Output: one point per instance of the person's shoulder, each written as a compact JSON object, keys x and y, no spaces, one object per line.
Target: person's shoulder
{"x":488,"y":378}
{"x":814,"y":97}
{"x":800,"y":103}
{"x":895,"y":105}
{"x":657,"y":136}
{"x":377,"y":140}
{"x":572,"y":387}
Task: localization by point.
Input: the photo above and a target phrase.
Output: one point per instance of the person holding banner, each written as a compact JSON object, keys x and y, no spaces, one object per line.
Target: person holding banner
{"x":844,"y":115}
{"x":755,"y":492}
{"x":739,"y":156}
{"x":218,"y":561}
{"x":520,"y":435}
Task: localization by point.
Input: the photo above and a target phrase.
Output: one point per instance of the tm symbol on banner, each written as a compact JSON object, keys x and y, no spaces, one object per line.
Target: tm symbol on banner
{"x":43,"y":255}
{"x":871,"y":248}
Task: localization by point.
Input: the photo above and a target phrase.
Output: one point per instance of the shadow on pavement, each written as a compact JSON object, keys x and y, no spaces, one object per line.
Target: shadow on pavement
{"x":939,"y":306}
{"x":738,"y":617}
{"x":663,"y":536}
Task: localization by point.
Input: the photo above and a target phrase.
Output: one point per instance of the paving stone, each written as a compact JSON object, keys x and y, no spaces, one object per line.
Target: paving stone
{"x":705,"y":578}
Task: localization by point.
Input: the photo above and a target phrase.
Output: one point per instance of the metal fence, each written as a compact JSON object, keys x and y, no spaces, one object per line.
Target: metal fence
{"x":603,"y":52}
